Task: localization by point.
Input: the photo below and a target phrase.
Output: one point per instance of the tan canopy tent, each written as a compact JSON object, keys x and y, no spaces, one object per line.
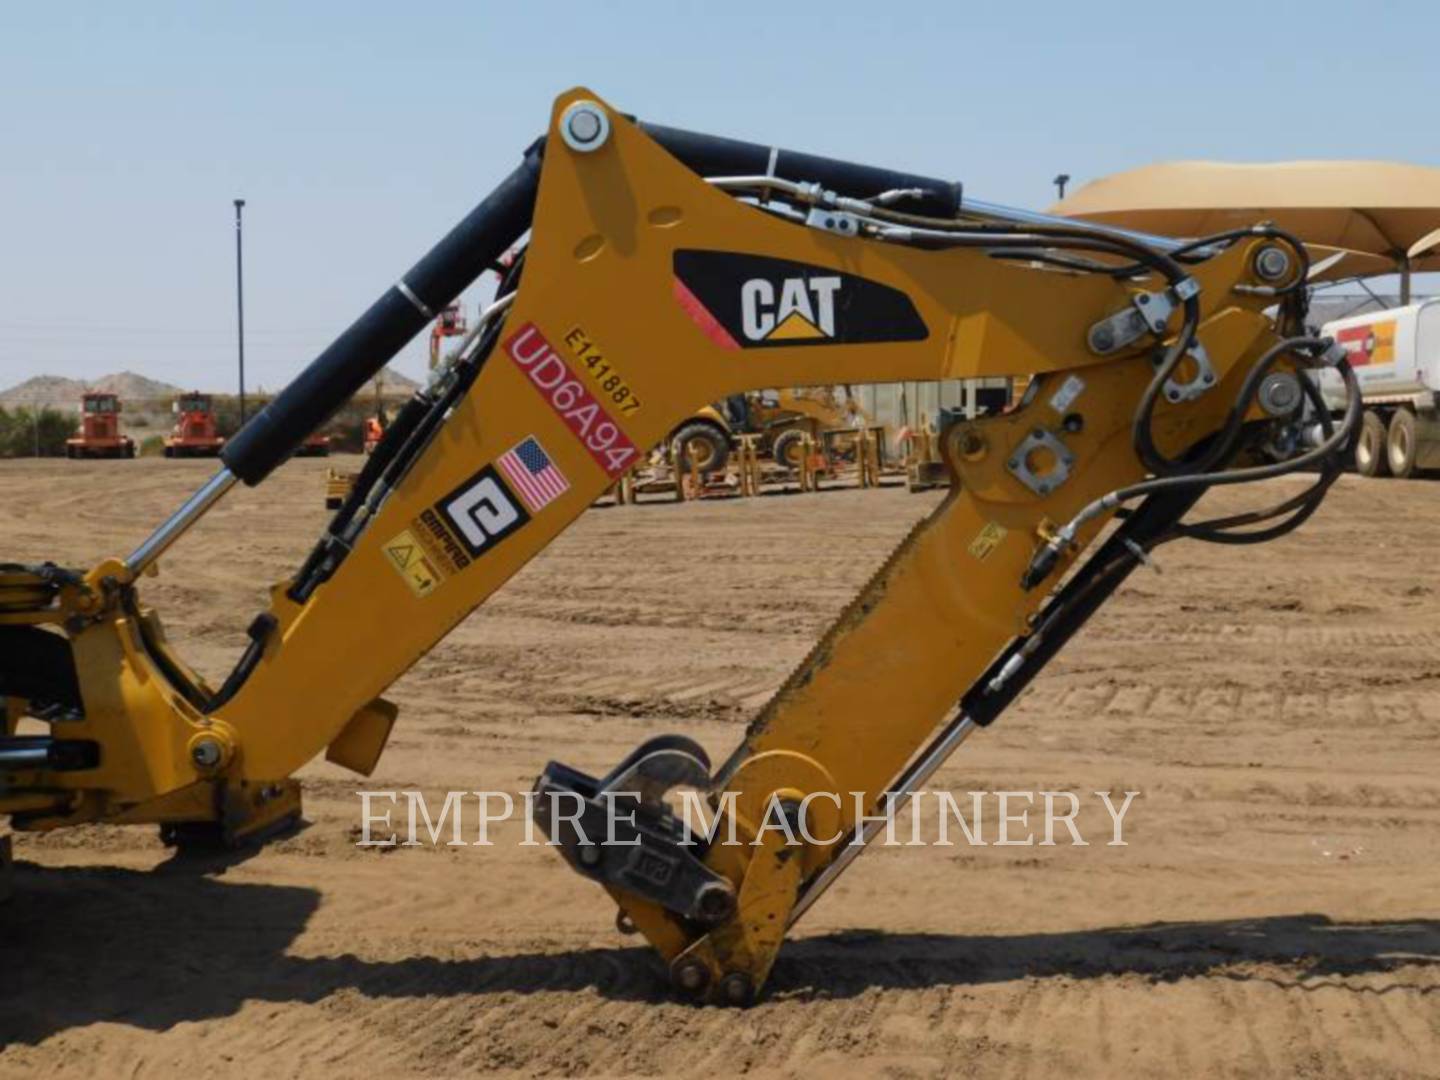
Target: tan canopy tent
{"x":1384,"y":215}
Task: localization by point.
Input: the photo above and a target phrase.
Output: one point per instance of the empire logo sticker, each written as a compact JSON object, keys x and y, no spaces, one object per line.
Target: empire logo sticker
{"x":440,"y":544}
{"x":753,"y":301}
{"x":558,"y":384}
{"x":483,"y":511}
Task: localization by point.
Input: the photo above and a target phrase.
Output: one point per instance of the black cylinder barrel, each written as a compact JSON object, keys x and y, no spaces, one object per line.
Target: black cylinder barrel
{"x":373,"y":339}
{"x":712,"y":155}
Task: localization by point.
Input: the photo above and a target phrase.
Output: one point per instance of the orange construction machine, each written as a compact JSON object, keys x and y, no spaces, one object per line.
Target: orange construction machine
{"x":196,"y":433}
{"x":98,"y":435}
{"x":451,"y":323}
{"x":374,"y":431}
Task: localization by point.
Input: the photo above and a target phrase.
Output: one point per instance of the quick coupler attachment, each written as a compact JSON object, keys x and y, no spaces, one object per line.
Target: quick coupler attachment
{"x":620,"y":831}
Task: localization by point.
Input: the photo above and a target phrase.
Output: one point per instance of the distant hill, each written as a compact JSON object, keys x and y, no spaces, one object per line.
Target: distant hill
{"x":396,"y":383}
{"x":56,"y":392}
{"x":132,"y":387}
{"x":44,"y":390}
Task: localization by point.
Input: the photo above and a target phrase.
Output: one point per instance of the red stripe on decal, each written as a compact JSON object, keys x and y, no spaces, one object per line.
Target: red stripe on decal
{"x":702,"y":317}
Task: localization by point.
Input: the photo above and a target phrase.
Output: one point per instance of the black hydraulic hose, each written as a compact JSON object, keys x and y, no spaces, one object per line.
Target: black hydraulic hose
{"x":1261,"y":472}
{"x":1080,"y":237}
{"x":1309,"y":502}
{"x":1221,"y":447}
{"x":395,"y":436}
{"x":403,"y":442}
{"x":469,"y":249}
{"x":1044,"y":560}
{"x":1298,"y":507}
{"x":1142,"y":437}
{"x":1186,"y":252}
{"x":1075,"y":602}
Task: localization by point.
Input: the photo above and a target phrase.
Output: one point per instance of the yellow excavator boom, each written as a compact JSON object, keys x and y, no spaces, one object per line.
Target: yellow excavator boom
{"x":664,"y":270}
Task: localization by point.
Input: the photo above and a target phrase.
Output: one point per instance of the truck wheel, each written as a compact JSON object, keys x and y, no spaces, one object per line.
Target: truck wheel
{"x":788,"y":447}
{"x":1400,"y":446}
{"x":702,"y":444}
{"x":1370,"y":447}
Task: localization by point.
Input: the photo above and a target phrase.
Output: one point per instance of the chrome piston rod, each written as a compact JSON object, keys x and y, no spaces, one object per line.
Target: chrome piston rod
{"x":28,"y":756}
{"x":179,"y":522}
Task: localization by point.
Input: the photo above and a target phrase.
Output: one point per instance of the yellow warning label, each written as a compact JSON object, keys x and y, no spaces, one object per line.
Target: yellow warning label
{"x":408,"y":558}
{"x":987,"y":540}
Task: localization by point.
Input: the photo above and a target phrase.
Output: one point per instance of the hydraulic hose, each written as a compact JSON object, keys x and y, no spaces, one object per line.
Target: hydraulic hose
{"x":714,"y":155}
{"x":1046,"y":557}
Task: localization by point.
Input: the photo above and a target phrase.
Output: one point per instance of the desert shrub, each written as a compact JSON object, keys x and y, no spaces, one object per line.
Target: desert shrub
{"x":26,"y":431}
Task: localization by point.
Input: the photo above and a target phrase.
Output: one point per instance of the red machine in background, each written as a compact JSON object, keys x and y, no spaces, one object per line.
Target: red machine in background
{"x":374,"y":431}
{"x":451,"y":323}
{"x":98,"y":435}
{"x":196,"y":433}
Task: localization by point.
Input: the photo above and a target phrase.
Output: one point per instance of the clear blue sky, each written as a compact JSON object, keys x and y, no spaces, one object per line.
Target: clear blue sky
{"x":360,"y":131}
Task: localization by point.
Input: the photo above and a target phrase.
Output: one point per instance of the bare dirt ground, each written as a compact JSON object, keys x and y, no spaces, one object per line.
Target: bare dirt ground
{"x":1275,"y":912}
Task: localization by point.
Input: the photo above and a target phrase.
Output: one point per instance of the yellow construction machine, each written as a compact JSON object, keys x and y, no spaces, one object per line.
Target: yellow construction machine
{"x":781,"y":419}
{"x":666,"y":269}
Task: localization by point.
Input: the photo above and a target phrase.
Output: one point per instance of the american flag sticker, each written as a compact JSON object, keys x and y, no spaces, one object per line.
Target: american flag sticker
{"x":538,"y":479}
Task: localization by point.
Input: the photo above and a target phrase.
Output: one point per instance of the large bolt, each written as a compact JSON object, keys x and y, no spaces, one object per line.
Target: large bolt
{"x":1271,"y":263}
{"x":589,"y":855}
{"x":973,"y":446}
{"x":1279,"y":393}
{"x":714,"y":902}
{"x":206,"y":753}
{"x":584,"y":127}
{"x":736,"y":988}
{"x":691,"y":976}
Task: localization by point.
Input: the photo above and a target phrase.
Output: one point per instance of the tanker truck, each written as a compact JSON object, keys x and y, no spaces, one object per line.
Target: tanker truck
{"x":1396,"y":357}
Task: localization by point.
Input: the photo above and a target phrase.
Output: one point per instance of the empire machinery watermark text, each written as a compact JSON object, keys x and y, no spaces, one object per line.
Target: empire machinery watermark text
{"x":937,"y":818}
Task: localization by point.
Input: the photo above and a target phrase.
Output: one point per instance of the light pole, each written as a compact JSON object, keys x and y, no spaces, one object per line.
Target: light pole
{"x":1060,"y":182}
{"x":240,"y":301}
